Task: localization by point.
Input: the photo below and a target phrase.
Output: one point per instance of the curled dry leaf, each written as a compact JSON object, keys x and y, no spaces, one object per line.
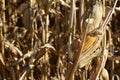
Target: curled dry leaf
{"x":117,"y":8}
{"x":64,"y":3}
{"x":27,"y":55}
{"x":48,"y":46}
{"x":14,"y":49}
{"x":105,"y":74}
{"x":54,"y":78}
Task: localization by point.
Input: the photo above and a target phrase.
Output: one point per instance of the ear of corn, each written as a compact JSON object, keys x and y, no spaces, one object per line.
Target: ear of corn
{"x":88,"y":43}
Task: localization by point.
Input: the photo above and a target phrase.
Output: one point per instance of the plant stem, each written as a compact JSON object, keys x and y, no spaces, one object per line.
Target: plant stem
{"x":4,"y":35}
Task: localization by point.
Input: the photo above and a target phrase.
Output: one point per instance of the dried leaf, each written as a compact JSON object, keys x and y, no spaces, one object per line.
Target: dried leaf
{"x":48,"y":46}
{"x":117,"y":8}
{"x":1,"y":22}
{"x":64,"y":3}
{"x":2,"y":59}
{"x":14,"y":49}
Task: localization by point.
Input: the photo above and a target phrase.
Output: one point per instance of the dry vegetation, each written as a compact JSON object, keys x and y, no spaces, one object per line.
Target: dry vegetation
{"x":59,"y":39}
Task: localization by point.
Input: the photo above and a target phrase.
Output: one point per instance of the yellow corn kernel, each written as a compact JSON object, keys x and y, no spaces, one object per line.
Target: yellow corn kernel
{"x":88,"y":43}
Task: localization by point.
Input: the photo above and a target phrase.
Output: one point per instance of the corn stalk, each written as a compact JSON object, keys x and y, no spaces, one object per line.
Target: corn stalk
{"x":3,"y":35}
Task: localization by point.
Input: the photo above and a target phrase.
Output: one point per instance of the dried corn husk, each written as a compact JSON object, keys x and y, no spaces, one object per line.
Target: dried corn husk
{"x":96,"y":17}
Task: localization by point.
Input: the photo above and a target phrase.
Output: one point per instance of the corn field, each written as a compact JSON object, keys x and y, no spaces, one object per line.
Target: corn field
{"x":59,"y":39}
